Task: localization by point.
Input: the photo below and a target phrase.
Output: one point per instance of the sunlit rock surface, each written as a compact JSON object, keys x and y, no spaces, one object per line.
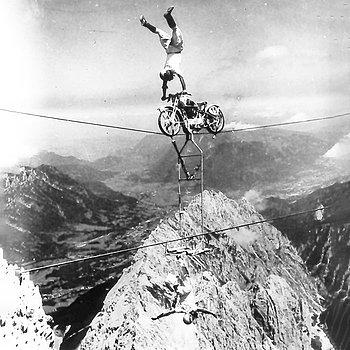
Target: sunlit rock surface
{"x":250,"y":290}
{"x":23,"y":323}
{"x":323,"y":241}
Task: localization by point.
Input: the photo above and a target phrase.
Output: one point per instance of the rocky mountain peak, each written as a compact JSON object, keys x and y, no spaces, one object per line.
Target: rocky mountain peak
{"x":23,"y":323}
{"x":235,"y":289}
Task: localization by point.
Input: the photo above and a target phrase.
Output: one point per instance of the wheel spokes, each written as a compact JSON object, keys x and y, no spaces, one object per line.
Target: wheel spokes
{"x":169,"y":123}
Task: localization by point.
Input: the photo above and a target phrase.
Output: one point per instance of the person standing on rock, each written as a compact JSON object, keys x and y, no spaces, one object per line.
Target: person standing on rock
{"x":173,"y":45}
{"x":183,"y":299}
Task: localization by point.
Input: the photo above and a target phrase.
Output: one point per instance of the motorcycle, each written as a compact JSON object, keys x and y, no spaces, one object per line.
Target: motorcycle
{"x":192,"y":116}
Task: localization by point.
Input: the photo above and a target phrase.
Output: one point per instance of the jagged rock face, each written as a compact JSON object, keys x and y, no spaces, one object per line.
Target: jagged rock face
{"x":249,"y":291}
{"x":23,"y":323}
{"x":323,"y":244}
{"x":74,"y":320}
{"x":43,"y":199}
{"x":337,"y":319}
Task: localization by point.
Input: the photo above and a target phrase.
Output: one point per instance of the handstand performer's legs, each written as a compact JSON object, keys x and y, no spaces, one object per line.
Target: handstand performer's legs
{"x":148,"y":25}
{"x":169,"y":18}
{"x":164,"y":38}
{"x":152,"y":28}
{"x":176,"y":37}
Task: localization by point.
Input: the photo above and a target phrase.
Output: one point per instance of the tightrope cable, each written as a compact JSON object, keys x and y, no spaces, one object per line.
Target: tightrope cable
{"x":288,"y":123}
{"x":82,"y":122}
{"x":127,"y":250}
{"x":159,"y":133}
{"x":103,"y":255}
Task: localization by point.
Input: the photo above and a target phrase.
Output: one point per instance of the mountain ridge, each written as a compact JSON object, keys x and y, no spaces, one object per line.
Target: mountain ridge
{"x":43,"y":199}
{"x":78,"y":169}
{"x":245,"y":283}
{"x":50,"y":217}
{"x":244,"y":159}
{"x":324,"y":245}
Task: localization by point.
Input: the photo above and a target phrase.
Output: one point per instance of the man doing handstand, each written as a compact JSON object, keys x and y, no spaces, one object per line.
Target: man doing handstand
{"x":173,"y":45}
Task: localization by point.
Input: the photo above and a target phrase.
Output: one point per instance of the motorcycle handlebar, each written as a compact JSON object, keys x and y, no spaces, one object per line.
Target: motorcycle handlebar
{"x":178,"y":94}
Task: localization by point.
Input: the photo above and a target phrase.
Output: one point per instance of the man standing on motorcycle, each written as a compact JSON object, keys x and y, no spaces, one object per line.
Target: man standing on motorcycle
{"x":173,"y":46}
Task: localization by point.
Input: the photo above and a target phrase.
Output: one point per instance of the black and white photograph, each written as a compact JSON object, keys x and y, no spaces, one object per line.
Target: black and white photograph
{"x":175,"y":175}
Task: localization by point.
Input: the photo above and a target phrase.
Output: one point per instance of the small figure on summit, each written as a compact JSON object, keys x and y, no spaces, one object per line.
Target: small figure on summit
{"x":173,"y":45}
{"x":182,"y":299}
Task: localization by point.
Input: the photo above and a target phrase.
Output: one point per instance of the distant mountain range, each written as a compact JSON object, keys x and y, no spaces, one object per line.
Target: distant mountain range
{"x":241,"y":160}
{"x":49,"y":216}
{"x":78,"y":169}
{"x":111,"y":143}
{"x":43,"y":198}
{"x":68,"y":200}
{"x":272,"y":161}
{"x":276,"y":160}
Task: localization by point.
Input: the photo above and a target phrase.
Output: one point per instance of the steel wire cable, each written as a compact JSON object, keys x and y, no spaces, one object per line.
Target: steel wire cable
{"x":83,"y":122}
{"x":141,"y":247}
{"x":159,"y":133}
{"x":288,"y":123}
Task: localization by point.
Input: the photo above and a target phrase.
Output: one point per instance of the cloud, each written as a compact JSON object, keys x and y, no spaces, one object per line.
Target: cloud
{"x":272,"y":53}
{"x":21,"y":70}
{"x":236,"y":125}
{"x":340,"y":149}
{"x":15,"y":137}
{"x":254,"y":197}
{"x":268,"y":111}
{"x":299,"y":116}
{"x":243,"y":236}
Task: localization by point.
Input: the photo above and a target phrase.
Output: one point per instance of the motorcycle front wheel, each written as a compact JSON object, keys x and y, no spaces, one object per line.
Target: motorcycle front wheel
{"x":214,"y":119}
{"x":169,"y":121}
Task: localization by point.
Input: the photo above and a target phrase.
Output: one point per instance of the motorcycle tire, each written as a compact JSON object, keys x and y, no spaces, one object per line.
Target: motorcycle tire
{"x":169,"y":122}
{"x":215,"y":119}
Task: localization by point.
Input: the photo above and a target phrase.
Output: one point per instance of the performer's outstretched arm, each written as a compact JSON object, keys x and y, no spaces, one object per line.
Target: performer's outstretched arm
{"x":204,"y":311}
{"x":182,"y":81}
{"x":164,"y":88}
{"x":165,"y":314}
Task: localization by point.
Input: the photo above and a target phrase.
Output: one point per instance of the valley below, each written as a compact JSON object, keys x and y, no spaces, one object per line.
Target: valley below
{"x":61,"y":208}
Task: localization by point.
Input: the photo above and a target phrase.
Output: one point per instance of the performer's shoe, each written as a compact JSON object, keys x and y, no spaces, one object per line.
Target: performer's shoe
{"x":168,"y":11}
{"x":143,"y":20}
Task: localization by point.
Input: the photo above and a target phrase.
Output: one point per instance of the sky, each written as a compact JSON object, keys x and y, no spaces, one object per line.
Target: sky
{"x":261,"y":61}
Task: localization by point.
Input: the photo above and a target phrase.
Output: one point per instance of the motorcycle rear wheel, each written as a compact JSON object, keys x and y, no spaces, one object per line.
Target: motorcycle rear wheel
{"x":215,"y":119}
{"x":169,"y":121}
